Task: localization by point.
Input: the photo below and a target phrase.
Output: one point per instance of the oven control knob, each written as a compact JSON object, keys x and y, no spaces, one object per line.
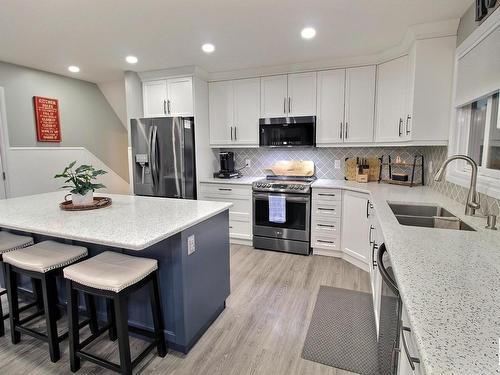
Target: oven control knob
{"x":302,"y":187}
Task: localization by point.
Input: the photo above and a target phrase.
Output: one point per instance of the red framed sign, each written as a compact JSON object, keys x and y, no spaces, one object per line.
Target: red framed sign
{"x":48,"y":127}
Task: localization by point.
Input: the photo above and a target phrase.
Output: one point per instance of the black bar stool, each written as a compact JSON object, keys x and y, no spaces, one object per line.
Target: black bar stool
{"x":114,"y":276}
{"x":44,"y":262}
{"x":11,"y":242}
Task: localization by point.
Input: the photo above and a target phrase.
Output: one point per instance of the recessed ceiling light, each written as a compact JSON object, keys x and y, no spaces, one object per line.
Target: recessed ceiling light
{"x":131,"y":59}
{"x":308,"y":33}
{"x":73,"y":69}
{"x":208,"y":48}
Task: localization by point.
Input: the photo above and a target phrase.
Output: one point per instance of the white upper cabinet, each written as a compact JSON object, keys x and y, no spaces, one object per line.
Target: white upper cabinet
{"x":359,"y":104}
{"x":288,"y":95}
{"x":302,"y":94}
{"x":391,"y":109}
{"x":180,"y":97}
{"x":330,"y":107}
{"x":220,"y":107}
{"x":246,"y":111}
{"x":430,"y":90}
{"x":234,"y":108}
{"x":168,"y":97}
{"x":155,"y":98}
{"x":274,"y":96}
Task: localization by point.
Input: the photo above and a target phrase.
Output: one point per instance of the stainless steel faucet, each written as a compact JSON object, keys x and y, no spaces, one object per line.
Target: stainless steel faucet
{"x":473,"y":197}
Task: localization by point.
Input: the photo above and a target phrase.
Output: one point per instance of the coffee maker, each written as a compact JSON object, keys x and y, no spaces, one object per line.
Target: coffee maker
{"x":227,"y":168}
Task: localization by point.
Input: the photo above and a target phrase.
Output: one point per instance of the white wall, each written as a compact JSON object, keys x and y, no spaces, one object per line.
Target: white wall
{"x":31,"y":170}
{"x":114,"y":92}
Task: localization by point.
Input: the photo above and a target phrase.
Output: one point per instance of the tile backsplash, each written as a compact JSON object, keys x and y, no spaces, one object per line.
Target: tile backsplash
{"x":325,"y":158}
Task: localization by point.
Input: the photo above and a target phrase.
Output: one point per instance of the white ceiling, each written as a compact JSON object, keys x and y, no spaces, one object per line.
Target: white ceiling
{"x":96,"y":35}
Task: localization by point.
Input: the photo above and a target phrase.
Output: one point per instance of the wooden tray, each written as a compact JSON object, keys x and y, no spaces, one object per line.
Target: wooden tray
{"x":99,"y":202}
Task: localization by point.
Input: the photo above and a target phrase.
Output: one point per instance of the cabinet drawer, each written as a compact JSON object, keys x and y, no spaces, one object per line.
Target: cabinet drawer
{"x":240,"y":229}
{"x":326,"y":228}
{"x":226,"y":190}
{"x":326,"y":242}
{"x":240,"y":216}
{"x":326,"y":212}
{"x":327,"y":195}
{"x":239,"y":204}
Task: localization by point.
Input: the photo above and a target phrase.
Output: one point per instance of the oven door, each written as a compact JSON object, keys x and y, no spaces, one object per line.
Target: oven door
{"x":296,"y":226}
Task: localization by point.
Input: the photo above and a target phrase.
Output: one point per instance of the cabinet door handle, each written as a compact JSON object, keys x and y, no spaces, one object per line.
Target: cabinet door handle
{"x":326,"y":226}
{"x":231,"y":133}
{"x":374,"y":247}
{"x":399,"y":127}
{"x":346,"y":129}
{"x":168,"y":106}
{"x":235,"y":136}
{"x":341,"y":129}
{"x":225,"y":189}
{"x":411,"y":360}
{"x":284,"y":105}
{"x":326,"y":195}
{"x":289,"y":105}
{"x":165,"y":107}
{"x":368,"y":208}
{"x":323,"y":241}
{"x":408,"y":118}
{"x":326,"y":209}
{"x":370,"y":235}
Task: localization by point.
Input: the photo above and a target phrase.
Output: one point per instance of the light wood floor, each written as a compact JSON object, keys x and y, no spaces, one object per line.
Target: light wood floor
{"x":261,"y":331}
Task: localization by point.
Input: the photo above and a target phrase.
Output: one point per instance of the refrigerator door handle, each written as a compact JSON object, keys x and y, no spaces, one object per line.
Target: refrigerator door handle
{"x":150,"y":154}
{"x":154,"y":155}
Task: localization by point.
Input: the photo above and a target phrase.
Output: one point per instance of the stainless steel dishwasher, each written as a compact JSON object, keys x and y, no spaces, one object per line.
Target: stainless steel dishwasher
{"x":390,"y":316}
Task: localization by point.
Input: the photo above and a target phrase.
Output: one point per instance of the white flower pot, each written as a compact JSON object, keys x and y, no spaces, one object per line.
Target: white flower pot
{"x":83,"y":200}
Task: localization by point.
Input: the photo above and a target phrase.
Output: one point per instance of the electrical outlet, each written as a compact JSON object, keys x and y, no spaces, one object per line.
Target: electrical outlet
{"x":248,"y":163}
{"x":337,"y":164}
{"x":191,"y":244}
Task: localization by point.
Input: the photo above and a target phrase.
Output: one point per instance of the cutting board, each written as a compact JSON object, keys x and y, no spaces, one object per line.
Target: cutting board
{"x":302,"y":168}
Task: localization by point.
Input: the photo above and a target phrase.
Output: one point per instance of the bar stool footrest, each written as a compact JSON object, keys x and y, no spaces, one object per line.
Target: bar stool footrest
{"x":110,"y":365}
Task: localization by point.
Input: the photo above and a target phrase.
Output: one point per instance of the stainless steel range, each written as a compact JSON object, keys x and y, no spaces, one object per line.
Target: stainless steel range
{"x":292,"y":233}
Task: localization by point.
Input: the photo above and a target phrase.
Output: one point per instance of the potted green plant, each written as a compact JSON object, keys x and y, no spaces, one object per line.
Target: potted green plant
{"x":81,"y":182}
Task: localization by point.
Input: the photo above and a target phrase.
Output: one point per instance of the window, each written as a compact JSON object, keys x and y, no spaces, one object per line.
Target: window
{"x":479,"y":127}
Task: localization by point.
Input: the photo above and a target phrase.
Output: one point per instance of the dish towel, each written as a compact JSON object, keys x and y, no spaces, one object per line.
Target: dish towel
{"x":277,"y":209}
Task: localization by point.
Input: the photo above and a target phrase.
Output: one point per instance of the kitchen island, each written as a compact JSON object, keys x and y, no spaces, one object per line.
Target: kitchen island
{"x":190,"y":240}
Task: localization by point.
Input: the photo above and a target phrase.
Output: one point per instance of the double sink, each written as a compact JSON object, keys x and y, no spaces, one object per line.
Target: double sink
{"x":427,"y":216}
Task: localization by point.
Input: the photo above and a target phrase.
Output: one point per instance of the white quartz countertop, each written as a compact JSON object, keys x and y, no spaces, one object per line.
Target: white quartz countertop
{"x":235,"y":181}
{"x":449,"y":280}
{"x":131,"y":222}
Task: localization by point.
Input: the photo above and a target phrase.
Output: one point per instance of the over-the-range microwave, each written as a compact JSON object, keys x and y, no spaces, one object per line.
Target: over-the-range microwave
{"x":297,"y":131}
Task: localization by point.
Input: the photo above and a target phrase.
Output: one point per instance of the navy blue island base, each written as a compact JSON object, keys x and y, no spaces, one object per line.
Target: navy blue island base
{"x":194,"y":282}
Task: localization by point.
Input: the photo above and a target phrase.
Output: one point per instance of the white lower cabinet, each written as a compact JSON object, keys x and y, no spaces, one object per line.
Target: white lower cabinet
{"x":326,"y":222}
{"x":375,"y":240}
{"x":340,"y":226}
{"x":355,"y":228}
{"x":240,"y":214}
{"x":409,"y":358}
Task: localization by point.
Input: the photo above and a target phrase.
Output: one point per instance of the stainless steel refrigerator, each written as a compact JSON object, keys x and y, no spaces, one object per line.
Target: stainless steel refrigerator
{"x":163,"y":157}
